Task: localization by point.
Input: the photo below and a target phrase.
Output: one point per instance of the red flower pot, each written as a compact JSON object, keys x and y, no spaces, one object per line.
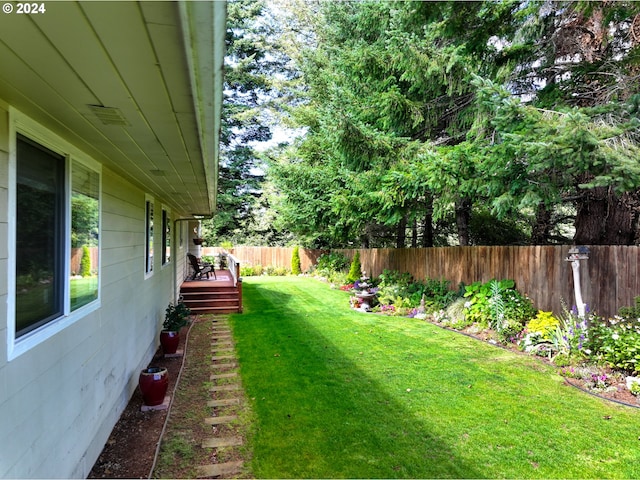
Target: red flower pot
{"x":169,"y":341}
{"x":153,"y":382}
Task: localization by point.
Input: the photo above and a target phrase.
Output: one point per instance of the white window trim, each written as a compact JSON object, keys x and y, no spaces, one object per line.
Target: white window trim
{"x":22,"y":124}
{"x":149,"y":274}
{"x":171,"y":238}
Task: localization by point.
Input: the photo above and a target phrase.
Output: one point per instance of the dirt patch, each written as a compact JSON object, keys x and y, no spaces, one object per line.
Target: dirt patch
{"x":131,"y":449}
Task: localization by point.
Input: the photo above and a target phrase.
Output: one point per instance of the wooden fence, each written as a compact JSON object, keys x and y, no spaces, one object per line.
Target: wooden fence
{"x":609,"y":278}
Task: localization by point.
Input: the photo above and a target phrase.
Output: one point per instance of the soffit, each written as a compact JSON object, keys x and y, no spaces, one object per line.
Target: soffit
{"x":143,"y":59}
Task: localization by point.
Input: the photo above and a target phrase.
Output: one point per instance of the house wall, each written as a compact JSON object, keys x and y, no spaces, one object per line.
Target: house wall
{"x":60,"y":399}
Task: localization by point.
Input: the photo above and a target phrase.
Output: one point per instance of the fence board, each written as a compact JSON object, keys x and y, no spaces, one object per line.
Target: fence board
{"x":609,"y":279}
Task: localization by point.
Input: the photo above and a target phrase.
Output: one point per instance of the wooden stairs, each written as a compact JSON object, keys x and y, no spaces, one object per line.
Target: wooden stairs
{"x":211,"y":295}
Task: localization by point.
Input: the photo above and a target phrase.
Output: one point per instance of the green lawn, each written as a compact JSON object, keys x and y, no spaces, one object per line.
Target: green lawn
{"x":342,"y":394}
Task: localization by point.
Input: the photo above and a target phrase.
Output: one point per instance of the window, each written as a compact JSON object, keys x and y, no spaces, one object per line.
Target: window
{"x":85,"y":231}
{"x":40,"y":234}
{"x":166,"y":236}
{"x":148,"y":269}
{"x":57,"y":229}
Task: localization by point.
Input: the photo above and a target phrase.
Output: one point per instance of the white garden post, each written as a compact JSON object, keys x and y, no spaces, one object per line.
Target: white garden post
{"x":575,"y":255}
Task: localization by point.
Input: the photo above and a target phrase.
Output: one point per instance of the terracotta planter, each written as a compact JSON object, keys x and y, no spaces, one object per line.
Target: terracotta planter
{"x":169,"y":341}
{"x":153,"y":382}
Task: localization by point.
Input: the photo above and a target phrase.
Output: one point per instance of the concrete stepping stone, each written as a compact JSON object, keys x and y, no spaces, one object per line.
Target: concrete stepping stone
{"x":227,"y":338}
{"x":223,"y":375}
{"x":220,"y":420}
{"x":219,"y":358}
{"x":219,"y":469}
{"x":225,"y":402}
{"x":223,"y":349}
{"x":222,"y":442}
{"x":224,"y":388}
{"x":223,"y":366}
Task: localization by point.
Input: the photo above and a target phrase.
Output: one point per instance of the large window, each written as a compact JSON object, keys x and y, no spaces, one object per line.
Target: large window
{"x":40,"y":234}
{"x":57,"y":235}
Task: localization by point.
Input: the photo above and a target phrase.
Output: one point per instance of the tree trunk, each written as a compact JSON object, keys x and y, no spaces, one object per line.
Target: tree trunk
{"x":427,"y":235}
{"x":414,"y":234}
{"x":542,"y":228}
{"x":401,"y":237}
{"x":604,"y":218}
{"x":463,"y":216}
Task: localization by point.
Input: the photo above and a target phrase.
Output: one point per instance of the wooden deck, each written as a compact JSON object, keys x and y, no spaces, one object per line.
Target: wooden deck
{"x":224,"y":279}
{"x":213,"y":295}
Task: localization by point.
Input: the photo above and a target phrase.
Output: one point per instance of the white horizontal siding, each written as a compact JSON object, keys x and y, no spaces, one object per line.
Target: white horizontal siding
{"x":60,"y":399}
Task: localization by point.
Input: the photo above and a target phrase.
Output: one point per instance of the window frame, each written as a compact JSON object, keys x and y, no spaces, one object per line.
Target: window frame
{"x":166,"y":237}
{"x":149,"y":236}
{"x":20,"y":124}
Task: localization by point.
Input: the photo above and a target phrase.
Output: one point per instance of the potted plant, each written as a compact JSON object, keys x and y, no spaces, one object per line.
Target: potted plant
{"x":153,"y":382}
{"x":175,"y":318}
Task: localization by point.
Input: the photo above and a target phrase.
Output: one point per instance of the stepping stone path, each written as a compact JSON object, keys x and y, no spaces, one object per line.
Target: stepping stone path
{"x":227,"y":387}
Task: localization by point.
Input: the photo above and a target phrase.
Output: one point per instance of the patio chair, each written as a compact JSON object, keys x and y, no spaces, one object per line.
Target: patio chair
{"x":200,"y":269}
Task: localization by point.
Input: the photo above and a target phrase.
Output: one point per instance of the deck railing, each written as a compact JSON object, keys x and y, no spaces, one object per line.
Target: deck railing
{"x":234,"y":268}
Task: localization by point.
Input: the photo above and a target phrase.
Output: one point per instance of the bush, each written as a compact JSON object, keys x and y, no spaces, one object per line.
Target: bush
{"x":617,"y":343}
{"x":295,"y":261}
{"x":497,"y":305}
{"x":355,"y":271}
{"x":543,"y":324}
{"x":330,"y":263}
{"x":630,"y":313}
{"x":251,"y":270}
{"x":400,"y":289}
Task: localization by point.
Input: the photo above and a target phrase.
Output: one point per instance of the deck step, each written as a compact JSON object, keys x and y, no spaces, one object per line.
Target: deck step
{"x":210,"y":297}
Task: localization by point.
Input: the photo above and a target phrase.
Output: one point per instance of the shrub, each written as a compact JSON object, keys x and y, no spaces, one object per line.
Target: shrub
{"x":497,"y":305}
{"x":295,"y":261}
{"x":280,"y":272}
{"x":618,"y":343}
{"x":400,"y":289}
{"x":355,"y":271}
{"x":631,"y":313}
{"x":85,"y":262}
{"x":543,"y":324}
{"x":331,"y":262}
{"x":246,"y":271}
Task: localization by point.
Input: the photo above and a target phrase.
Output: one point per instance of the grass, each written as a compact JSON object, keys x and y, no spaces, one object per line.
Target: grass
{"x":337,"y":393}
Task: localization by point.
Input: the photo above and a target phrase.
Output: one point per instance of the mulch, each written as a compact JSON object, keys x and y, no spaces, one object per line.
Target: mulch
{"x":131,"y":447}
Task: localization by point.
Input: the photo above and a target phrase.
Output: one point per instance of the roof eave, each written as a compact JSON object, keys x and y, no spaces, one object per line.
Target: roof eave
{"x":206,"y":73}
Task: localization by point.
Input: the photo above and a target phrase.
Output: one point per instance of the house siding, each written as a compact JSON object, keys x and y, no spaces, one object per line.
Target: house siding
{"x":60,"y":399}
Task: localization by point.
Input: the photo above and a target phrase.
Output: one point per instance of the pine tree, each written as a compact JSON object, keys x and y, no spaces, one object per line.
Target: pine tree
{"x":355,"y":272}
{"x":85,"y":262}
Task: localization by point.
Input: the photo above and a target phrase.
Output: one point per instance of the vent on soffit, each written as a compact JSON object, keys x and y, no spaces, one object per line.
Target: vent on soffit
{"x":109,"y":115}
